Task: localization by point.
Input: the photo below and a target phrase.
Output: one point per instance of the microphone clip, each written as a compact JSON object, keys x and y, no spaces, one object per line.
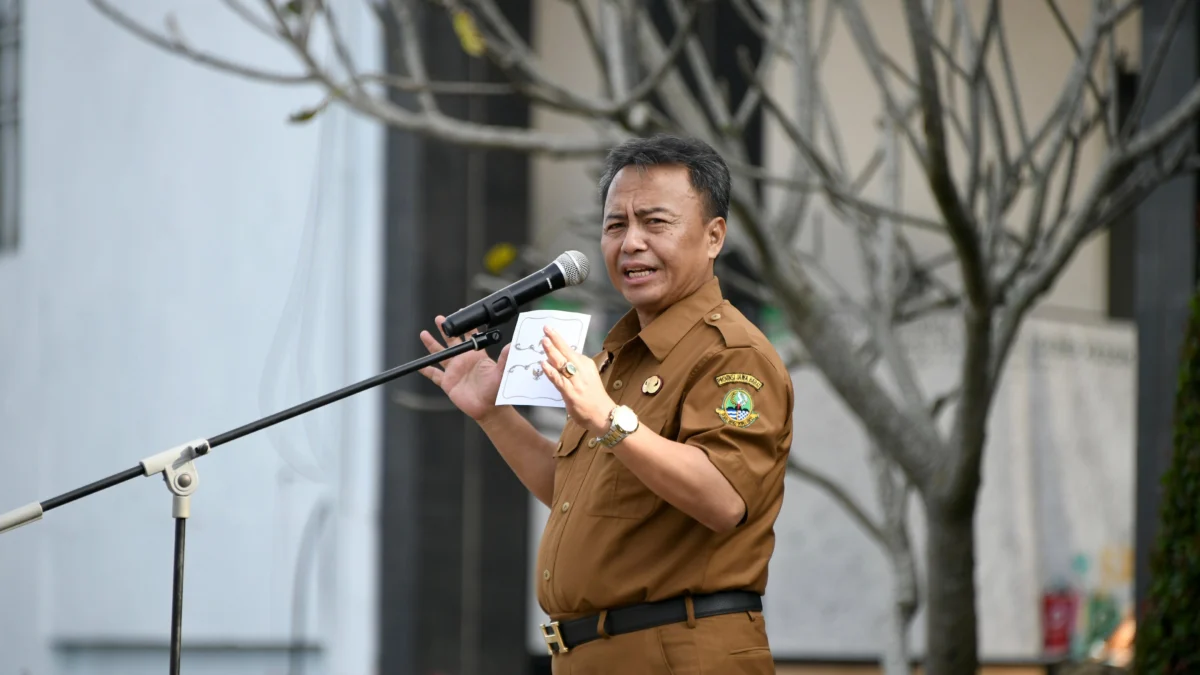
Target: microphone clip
{"x":178,"y":468}
{"x":485,"y":338}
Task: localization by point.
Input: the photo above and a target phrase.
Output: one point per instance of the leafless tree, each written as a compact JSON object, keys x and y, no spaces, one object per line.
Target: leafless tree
{"x":1010,"y":206}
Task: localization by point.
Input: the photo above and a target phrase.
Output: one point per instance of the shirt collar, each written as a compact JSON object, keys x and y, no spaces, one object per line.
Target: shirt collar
{"x":668,"y":328}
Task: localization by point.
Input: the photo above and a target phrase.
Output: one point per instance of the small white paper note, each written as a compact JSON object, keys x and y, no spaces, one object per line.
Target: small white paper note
{"x":523,"y":382}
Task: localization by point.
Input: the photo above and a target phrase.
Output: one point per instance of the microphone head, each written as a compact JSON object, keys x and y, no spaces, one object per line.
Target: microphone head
{"x":574,"y":266}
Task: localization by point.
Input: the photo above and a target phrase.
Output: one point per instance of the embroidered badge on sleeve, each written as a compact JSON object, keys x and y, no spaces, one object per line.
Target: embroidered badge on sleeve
{"x":738,"y":409}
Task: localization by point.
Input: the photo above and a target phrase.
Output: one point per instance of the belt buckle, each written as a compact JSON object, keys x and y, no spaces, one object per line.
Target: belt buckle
{"x":553,"y":636}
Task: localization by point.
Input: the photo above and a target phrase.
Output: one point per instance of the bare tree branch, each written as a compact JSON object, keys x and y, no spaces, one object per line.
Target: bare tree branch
{"x":873,"y":55}
{"x":203,"y":58}
{"x":257,"y":22}
{"x":838,"y":494}
{"x":839,"y":196}
{"x":593,"y":37}
{"x":1101,"y":100}
{"x":1087,"y":218}
{"x":773,"y":47}
{"x":441,"y":87}
{"x":917,"y":447}
{"x":615,"y":28}
{"x":1071,"y":94}
{"x":1014,"y":92}
{"x":414,"y":60}
{"x":794,"y":205}
{"x":937,"y":163}
{"x":971,"y":422}
{"x":893,"y":497}
{"x":1152,"y":69}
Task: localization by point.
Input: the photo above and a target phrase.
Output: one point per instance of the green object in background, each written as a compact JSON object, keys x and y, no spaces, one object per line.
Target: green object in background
{"x":774,"y":326}
{"x":1080,"y":642}
{"x":1103,"y":617}
{"x":561,"y":305}
{"x":1168,"y":635}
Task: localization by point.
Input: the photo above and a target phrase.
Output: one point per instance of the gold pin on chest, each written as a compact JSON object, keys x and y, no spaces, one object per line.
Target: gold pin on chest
{"x":652,"y":385}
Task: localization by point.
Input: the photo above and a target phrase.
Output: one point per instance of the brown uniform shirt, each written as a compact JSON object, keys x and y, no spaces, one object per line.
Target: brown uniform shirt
{"x":700,"y":374}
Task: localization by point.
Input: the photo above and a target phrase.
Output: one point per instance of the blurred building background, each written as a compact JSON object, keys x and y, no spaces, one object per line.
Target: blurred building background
{"x":176,"y":259}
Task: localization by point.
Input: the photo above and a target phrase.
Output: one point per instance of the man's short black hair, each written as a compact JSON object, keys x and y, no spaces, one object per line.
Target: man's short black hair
{"x":707,"y":170}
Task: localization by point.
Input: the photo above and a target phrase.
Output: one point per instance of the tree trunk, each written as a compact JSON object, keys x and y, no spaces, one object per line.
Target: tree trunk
{"x":895,"y":650}
{"x":893,"y":538}
{"x":952,"y":625}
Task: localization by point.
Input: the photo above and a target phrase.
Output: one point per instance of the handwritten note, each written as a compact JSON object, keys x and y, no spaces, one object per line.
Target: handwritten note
{"x":524,"y":383}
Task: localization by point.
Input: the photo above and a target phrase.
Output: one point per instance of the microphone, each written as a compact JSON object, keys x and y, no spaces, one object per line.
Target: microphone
{"x":568,"y":269}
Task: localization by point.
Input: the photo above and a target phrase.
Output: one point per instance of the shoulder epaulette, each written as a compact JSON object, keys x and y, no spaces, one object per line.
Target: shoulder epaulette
{"x":732,"y":325}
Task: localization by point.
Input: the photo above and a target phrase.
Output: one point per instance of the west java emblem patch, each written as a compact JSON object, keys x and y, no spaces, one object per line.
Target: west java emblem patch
{"x":738,"y":409}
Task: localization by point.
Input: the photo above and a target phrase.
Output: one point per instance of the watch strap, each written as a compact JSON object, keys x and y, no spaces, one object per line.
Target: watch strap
{"x":615,"y":435}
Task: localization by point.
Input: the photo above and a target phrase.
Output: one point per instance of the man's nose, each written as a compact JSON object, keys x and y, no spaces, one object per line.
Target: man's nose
{"x":633,"y":240}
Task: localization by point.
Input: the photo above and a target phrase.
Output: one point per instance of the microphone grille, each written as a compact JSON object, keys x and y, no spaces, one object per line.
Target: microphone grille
{"x":574,"y":266}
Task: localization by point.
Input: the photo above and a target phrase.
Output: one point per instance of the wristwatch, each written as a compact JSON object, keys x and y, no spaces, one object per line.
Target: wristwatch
{"x":622,"y":422}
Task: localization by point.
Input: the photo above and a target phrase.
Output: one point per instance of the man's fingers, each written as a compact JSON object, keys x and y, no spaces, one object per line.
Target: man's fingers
{"x":502,"y":360}
{"x":559,"y":342}
{"x":430,"y":342}
{"x":434,"y":374}
{"x":554,"y":376}
{"x":556,"y":358}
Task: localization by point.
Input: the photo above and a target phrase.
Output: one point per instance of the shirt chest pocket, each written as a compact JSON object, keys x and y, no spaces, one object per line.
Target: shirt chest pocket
{"x":614,"y":491}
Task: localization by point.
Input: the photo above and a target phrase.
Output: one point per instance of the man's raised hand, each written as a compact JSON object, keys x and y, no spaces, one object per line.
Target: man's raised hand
{"x":471,"y":380}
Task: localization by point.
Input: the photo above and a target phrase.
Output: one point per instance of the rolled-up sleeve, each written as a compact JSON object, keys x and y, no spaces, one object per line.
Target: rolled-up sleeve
{"x":739,"y":412}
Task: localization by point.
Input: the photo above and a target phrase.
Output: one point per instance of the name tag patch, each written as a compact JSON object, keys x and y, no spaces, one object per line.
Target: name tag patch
{"x":739,"y":378}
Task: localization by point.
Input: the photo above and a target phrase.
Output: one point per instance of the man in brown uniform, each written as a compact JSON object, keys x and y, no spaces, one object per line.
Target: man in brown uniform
{"x":666,"y":482}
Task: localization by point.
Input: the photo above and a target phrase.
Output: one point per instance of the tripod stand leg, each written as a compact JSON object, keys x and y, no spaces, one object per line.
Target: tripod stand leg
{"x":177,"y":595}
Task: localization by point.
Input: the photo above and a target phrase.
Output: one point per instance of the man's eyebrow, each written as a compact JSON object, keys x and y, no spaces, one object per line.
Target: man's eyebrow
{"x":642,"y":212}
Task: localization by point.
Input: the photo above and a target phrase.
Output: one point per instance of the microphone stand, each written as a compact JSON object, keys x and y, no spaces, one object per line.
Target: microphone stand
{"x":179,"y":471}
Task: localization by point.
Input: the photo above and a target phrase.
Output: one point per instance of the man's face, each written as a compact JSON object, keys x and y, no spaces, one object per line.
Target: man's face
{"x":658,"y":244}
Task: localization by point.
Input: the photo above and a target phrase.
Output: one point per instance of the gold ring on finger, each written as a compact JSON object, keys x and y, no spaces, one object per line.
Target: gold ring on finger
{"x":568,"y":370}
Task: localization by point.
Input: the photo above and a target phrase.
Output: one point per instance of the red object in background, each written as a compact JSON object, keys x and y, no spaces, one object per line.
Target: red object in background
{"x":1058,"y":619}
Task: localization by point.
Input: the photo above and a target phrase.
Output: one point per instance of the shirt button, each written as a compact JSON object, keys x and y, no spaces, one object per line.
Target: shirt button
{"x":546,"y":575}
{"x":618,"y":384}
{"x":565,"y":506}
{"x":715,"y":316}
{"x":592,"y":442}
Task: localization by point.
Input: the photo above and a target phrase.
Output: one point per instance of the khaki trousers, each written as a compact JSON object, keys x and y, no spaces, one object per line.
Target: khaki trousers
{"x":729,"y":644}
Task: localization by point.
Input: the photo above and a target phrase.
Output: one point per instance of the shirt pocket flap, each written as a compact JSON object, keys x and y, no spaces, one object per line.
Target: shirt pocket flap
{"x":568,"y":441}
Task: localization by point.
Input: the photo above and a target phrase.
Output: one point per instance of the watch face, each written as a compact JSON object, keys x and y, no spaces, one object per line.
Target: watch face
{"x":625,"y":420}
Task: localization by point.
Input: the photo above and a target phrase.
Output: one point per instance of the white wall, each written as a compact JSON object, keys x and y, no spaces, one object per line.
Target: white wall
{"x":189,"y":262}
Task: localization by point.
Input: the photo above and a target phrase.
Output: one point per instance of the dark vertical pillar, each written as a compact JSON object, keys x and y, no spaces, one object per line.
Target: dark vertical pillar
{"x":503,"y":534}
{"x":727,"y":35}
{"x":453,"y":518}
{"x":398,"y":533}
{"x":1165,"y":281}
{"x":1122,"y":235}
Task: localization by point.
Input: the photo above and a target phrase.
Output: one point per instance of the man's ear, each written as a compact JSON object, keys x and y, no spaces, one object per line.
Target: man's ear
{"x":714,"y":233}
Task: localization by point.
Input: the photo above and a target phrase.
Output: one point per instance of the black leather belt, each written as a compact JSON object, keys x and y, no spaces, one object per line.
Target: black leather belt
{"x":563,"y":636}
